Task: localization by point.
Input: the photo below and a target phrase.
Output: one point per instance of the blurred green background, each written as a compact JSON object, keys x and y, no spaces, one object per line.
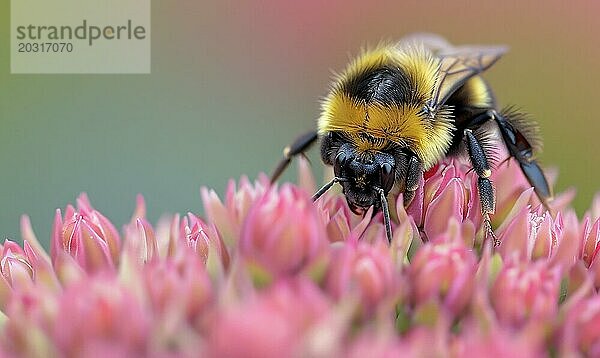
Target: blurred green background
{"x":232,"y":82}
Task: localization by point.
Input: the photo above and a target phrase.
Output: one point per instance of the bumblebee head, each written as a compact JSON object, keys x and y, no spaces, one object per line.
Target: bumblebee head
{"x":363,"y":174}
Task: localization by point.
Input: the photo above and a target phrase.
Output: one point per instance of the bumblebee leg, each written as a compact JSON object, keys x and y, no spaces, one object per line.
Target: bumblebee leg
{"x":326,"y":187}
{"x":485,"y":188}
{"x":386,"y":214}
{"x":299,"y":146}
{"x":413,"y":175}
{"x":520,"y":148}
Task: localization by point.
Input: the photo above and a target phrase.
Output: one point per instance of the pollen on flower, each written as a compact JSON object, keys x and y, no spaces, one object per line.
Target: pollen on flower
{"x":267,"y":272}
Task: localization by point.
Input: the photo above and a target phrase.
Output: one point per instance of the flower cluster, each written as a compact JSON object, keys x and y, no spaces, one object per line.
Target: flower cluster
{"x":268,"y":273}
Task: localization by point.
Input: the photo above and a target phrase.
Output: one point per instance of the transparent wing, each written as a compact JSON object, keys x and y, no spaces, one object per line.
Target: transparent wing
{"x":457,"y":64}
{"x":432,"y":42}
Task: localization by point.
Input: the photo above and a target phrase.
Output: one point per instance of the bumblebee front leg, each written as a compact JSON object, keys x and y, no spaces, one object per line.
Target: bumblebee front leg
{"x":299,"y":146}
{"x":413,"y":175}
{"x":487,"y":196}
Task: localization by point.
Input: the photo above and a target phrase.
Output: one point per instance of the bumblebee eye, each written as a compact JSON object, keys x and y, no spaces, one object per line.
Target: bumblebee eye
{"x":340,"y":162}
{"x":387,"y":177}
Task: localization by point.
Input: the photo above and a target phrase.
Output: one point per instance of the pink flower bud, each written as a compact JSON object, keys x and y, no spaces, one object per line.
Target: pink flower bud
{"x":140,"y":241}
{"x":229,"y":216}
{"x":28,"y":331}
{"x":340,"y":222}
{"x":569,"y":242}
{"x":87,"y":236}
{"x":591,"y":249}
{"x":449,"y":191}
{"x":14,"y":266}
{"x":359,"y":270}
{"x":444,"y":270}
{"x":580,"y":333}
{"x":591,"y":244}
{"x":371,"y":344}
{"x":282,"y":232}
{"x":499,"y":341}
{"x":81,"y":239}
{"x":202,"y":239}
{"x":179,"y":287}
{"x":274,"y":323}
{"x":526,"y":291}
{"x":100,"y":314}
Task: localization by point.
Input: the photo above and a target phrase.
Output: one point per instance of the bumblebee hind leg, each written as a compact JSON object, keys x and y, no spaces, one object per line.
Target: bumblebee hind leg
{"x":487,"y":196}
{"x":298,"y":147}
{"x":514,"y":127}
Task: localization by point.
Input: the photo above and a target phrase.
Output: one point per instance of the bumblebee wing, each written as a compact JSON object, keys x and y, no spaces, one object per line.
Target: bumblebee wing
{"x":457,"y":65}
{"x":432,"y":42}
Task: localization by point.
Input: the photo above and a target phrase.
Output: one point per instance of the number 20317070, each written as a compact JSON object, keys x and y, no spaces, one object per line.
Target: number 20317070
{"x":44,"y":47}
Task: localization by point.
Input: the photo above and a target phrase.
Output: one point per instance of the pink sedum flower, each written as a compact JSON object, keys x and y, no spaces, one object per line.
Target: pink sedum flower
{"x":340,"y":222}
{"x":447,"y":192}
{"x":267,"y":272}
{"x":103,"y":316}
{"x":273,"y":323}
{"x":282,"y":232}
{"x":230,"y":214}
{"x":14,"y":265}
{"x":180,"y":296}
{"x":87,"y":236}
{"x":365,"y":272}
{"x":590,"y":248}
{"x":443,"y":271}
{"x":531,"y":234}
{"x":526,"y":292}
{"x":372,"y":344}
{"x":580,"y":333}
{"x":203,"y":239}
{"x":497,"y":342}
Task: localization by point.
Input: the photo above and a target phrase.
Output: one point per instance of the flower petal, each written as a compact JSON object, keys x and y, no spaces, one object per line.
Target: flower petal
{"x":448,"y":204}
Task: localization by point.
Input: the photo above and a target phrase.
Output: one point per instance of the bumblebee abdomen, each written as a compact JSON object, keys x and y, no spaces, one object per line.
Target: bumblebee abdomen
{"x":471,"y":99}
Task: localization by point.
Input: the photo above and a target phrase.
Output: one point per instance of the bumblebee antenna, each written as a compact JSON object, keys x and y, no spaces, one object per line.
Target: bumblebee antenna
{"x":327,"y":186}
{"x":386,"y":214}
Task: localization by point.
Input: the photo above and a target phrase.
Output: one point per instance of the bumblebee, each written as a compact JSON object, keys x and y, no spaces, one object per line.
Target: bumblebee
{"x":400,"y":108}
